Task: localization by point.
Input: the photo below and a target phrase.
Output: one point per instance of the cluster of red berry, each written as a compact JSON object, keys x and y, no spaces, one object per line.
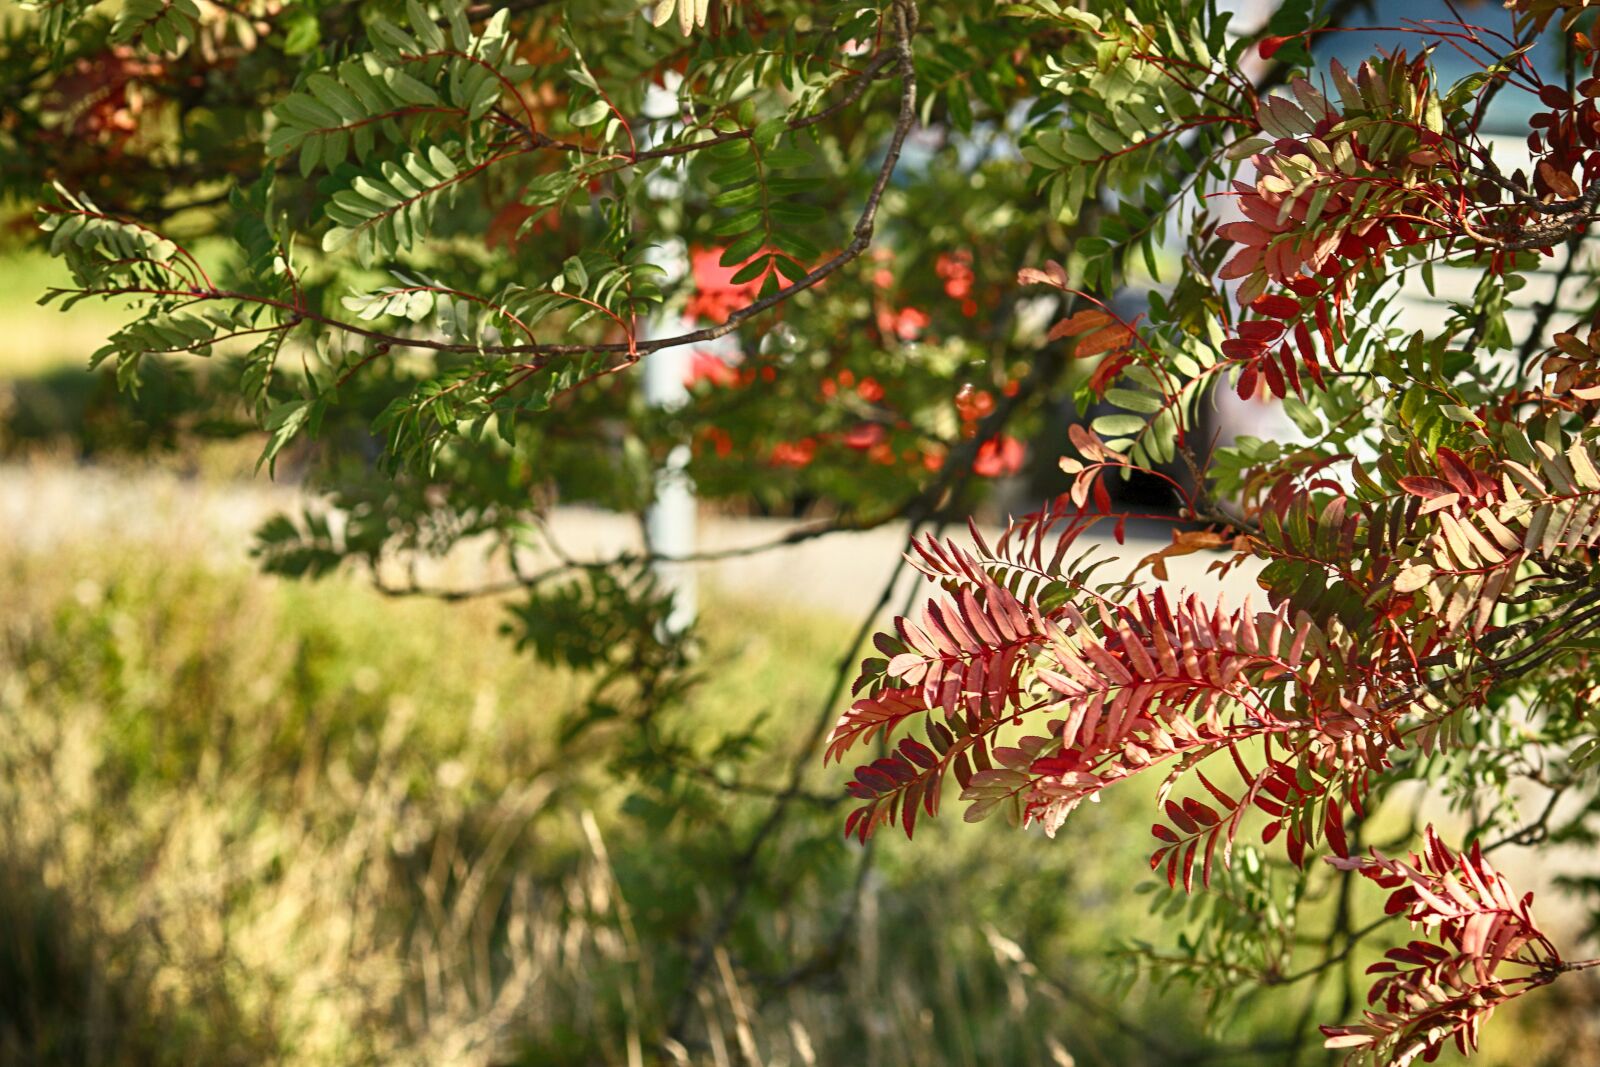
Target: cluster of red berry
{"x":956,"y":270}
{"x":715,"y":297}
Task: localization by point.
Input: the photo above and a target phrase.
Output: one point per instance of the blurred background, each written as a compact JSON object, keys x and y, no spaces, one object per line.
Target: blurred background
{"x":258,"y":807}
{"x":251,"y":819}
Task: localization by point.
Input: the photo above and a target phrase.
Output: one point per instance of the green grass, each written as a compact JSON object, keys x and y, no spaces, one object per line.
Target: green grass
{"x":249,"y":821}
{"x":39,"y":341}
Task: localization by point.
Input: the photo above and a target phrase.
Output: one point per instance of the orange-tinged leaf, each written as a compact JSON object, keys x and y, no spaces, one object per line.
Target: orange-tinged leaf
{"x":1108,"y":339}
{"x":1244,"y":262}
{"x":1245,"y":233}
{"x":1561,"y":184}
{"x":1081,"y":322}
{"x":1053,"y":274}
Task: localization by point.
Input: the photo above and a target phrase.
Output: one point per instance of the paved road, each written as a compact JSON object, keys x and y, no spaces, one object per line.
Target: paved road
{"x":46,"y":504}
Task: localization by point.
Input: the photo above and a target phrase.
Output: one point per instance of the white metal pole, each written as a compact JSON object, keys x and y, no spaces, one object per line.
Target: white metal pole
{"x":669,"y":525}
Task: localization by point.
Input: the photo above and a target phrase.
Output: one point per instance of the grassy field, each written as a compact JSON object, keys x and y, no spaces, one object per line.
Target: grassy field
{"x":251,"y":822}
{"x":245,"y":821}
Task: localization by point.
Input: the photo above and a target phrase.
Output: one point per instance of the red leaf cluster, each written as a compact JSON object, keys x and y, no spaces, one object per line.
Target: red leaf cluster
{"x":1296,"y":226}
{"x":1272,"y":352}
{"x":1460,"y":486}
{"x":1565,"y":140}
{"x":1441,"y":991}
{"x":1098,"y":333}
{"x":1318,"y":209}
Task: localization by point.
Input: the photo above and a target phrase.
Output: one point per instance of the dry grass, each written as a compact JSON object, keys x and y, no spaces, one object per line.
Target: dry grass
{"x":251,"y":822}
{"x":255,"y":831}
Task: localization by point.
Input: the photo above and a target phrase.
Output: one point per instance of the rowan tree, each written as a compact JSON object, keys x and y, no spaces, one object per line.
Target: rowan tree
{"x":1427,"y":543}
{"x":436,"y":237}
